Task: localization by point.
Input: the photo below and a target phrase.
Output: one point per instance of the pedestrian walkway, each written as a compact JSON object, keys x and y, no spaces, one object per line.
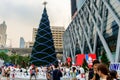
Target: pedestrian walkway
{"x":4,"y":78}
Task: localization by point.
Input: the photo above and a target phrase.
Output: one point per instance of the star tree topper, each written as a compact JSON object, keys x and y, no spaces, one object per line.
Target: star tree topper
{"x":45,"y":3}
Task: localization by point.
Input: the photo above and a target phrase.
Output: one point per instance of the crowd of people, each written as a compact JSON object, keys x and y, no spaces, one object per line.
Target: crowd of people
{"x":99,"y":71}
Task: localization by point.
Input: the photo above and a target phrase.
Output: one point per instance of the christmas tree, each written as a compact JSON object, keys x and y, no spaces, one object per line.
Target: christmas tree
{"x":43,"y":52}
{"x":104,"y":59}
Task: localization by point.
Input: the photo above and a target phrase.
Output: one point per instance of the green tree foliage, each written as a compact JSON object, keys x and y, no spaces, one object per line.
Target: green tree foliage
{"x":104,"y":59}
{"x":13,"y":58}
{"x":25,"y":61}
{"x":4,"y":56}
{"x":19,"y":60}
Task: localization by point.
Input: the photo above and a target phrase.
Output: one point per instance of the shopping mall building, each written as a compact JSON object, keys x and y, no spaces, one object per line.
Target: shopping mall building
{"x":94,"y":29}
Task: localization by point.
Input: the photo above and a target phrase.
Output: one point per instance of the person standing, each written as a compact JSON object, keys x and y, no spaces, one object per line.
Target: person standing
{"x":103,"y":72}
{"x":114,"y":74}
{"x":73,"y":73}
{"x":49,"y":73}
{"x":33,"y":73}
{"x":57,"y":74}
{"x":93,"y":71}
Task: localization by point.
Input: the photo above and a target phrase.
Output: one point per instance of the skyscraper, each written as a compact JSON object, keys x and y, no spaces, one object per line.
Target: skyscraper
{"x":3,"y":35}
{"x":73,"y":8}
{"x":57,"y":33}
{"x":22,"y":42}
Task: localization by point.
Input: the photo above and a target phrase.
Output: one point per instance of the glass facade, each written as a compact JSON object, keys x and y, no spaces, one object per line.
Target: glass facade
{"x":73,"y":7}
{"x":79,"y":4}
{"x":95,"y":29}
{"x":22,"y":42}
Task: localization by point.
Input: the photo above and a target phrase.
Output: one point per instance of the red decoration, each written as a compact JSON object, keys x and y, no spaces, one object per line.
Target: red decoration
{"x":91,"y":58}
{"x":88,"y":57}
{"x":68,"y":60}
{"x":79,"y":59}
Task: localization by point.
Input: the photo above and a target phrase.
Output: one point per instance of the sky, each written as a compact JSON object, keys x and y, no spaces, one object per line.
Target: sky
{"x":21,"y":16}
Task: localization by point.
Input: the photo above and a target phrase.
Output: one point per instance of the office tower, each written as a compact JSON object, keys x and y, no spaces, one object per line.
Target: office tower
{"x":22,"y":42}
{"x":3,"y":35}
{"x":57,"y":33}
{"x":73,"y":8}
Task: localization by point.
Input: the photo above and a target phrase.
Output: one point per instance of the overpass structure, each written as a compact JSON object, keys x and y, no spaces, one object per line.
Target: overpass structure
{"x":22,"y":51}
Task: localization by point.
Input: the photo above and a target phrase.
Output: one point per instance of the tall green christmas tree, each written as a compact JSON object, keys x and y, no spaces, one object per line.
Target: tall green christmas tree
{"x":43,"y":52}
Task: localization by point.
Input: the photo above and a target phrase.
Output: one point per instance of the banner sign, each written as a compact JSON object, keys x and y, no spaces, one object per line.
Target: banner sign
{"x":115,"y":66}
{"x":88,"y":57}
{"x":79,"y":59}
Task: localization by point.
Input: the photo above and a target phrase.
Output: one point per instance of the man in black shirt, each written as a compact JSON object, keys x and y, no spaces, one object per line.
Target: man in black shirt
{"x":57,"y":73}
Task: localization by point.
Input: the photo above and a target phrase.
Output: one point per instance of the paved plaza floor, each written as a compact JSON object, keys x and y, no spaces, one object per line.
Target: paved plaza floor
{"x":4,"y":78}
